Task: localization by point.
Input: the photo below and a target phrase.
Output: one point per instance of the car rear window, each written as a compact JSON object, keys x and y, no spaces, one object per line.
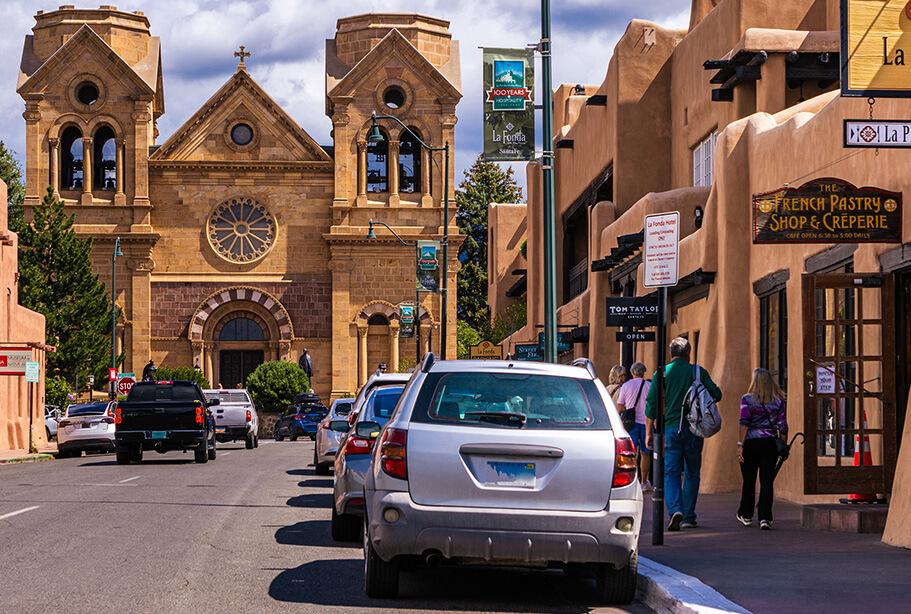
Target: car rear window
{"x":382,"y":403}
{"x":488,"y":399}
{"x":86,"y":410}
{"x":226,"y":396}
{"x":141,"y":393}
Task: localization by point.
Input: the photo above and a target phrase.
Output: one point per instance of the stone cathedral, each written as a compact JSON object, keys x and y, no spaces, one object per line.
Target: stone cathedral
{"x":243,"y":240}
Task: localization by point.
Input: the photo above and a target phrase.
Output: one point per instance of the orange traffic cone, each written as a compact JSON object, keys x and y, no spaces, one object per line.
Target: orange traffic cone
{"x":868,"y":462}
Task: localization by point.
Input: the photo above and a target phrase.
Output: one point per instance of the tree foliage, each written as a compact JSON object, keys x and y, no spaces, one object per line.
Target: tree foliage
{"x":183,"y":374}
{"x":509,"y":321}
{"x":484,"y":183}
{"x":467,"y":337}
{"x":56,"y":392}
{"x":275,"y":384}
{"x":11,"y":174}
{"x":56,"y":279}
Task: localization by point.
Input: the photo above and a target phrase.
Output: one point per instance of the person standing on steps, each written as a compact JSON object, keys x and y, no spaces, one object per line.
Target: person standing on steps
{"x":307,"y":365}
{"x":682,"y":449}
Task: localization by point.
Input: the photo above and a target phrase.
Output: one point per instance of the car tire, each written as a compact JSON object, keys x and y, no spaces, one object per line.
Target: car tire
{"x":617,"y":586}
{"x":293,"y":437}
{"x":123,"y":456}
{"x":201,"y":454}
{"x":48,"y":431}
{"x":345,"y":527}
{"x":278,"y":437}
{"x":381,"y":578}
{"x":211,"y":452}
{"x":136,"y":453}
{"x":256,"y":441}
{"x":248,"y":442}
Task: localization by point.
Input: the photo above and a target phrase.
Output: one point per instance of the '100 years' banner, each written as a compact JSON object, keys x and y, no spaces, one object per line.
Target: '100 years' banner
{"x":509,"y":109}
{"x":827,"y":211}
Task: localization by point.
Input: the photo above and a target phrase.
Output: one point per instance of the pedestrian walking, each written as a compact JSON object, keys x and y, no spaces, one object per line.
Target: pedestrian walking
{"x":615,"y":380}
{"x":632,"y":397}
{"x":682,"y":449}
{"x":762,"y":421}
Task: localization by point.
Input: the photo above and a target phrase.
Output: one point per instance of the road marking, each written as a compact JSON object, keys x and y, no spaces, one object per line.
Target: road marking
{"x":225,"y":453}
{"x":28,"y":509}
{"x":131,"y":479}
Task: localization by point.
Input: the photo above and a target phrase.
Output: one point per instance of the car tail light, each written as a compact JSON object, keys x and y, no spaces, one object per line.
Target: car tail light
{"x":63,"y":423}
{"x":107,"y":420}
{"x":118,"y":419}
{"x":249,"y":416}
{"x":624,"y":462}
{"x":351,"y":418}
{"x":298,"y":417}
{"x":199,"y":418}
{"x":118,"y":411}
{"x":165,"y":382}
{"x":392,"y":453}
{"x":325,"y":425}
{"x":357,"y":445}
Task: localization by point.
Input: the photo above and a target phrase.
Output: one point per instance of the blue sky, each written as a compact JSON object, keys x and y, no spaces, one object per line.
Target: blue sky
{"x":286,"y":39}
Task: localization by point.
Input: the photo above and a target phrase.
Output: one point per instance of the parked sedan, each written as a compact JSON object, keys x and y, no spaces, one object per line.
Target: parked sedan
{"x":86,"y":427}
{"x":353,"y":460}
{"x":299,"y":420}
{"x":328,"y":435}
{"x":51,"y":418}
{"x":501,"y":462}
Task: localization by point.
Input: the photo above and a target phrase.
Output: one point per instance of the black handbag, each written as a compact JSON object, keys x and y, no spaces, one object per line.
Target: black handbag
{"x":628,"y":416}
{"x":783,"y":448}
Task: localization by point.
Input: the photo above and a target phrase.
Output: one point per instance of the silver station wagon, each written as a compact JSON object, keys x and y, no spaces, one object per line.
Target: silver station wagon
{"x":504,"y":463}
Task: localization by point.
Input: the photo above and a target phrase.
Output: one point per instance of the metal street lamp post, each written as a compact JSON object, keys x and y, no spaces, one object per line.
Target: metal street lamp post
{"x":117,"y":252}
{"x":547,"y":179}
{"x":417,"y":293}
{"x":376,"y":136}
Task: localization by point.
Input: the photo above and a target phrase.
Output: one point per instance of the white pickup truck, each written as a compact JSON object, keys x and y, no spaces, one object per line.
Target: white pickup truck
{"x":235,"y":416}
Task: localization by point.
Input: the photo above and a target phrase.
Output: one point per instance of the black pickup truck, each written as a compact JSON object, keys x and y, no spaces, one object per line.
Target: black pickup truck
{"x":164,"y":416}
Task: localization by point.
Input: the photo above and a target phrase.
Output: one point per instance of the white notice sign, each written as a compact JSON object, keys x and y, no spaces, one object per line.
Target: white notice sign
{"x":877,"y":133}
{"x":662,"y":233}
{"x":32,"y":371}
{"x":825,"y":381}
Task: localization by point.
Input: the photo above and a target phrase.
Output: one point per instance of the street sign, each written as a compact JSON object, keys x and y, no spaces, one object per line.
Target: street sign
{"x":873,"y":47}
{"x":32,"y":371}
{"x":880,"y":133}
{"x":12,"y":360}
{"x":562,"y":346}
{"x":638,"y":336}
{"x":632,"y":311}
{"x":529,"y":351}
{"x":125,"y":381}
{"x":486,"y":350}
{"x":112,"y":373}
{"x":662,"y":232}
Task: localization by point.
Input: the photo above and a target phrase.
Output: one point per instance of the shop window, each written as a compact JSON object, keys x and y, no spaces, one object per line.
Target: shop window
{"x":702,"y":161}
{"x":773,"y":334}
{"x":378,"y":165}
{"x":105,"y":159}
{"x":575,"y":253}
{"x":409,"y":163}
{"x":71,"y":159}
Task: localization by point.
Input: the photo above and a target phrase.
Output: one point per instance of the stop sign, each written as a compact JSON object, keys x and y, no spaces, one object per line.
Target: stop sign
{"x":125,"y":382}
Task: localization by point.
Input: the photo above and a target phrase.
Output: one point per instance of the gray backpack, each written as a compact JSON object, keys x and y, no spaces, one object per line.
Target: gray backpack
{"x":699,"y":409}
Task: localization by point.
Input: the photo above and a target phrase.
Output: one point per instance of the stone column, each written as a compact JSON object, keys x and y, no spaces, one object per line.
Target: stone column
{"x":209,"y":366}
{"x":197,"y":348}
{"x":87,"y":156}
{"x":34,"y":175}
{"x":393,"y":167}
{"x":119,"y":196}
{"x":361,"y":355}
{"x":362,"y":169}
{"x":138,"y":306}
{"x":393,"y":347}
{"x":426,"y":197}
{"x":54,"y":150}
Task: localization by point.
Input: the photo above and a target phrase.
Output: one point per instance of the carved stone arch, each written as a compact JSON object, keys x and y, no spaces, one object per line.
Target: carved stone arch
{"x":105,"y":120}
{"x":65,"y":121}
{"x":389,"y":310}
{"x":226,"y":313}
{"x":264,"y":303}
{"x":423,"y":130}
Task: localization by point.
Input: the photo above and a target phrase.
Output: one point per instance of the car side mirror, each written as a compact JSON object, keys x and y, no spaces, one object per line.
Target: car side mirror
{"x":215,"y":402}
{"x":368,"y":430}
{"x":339,"y":426}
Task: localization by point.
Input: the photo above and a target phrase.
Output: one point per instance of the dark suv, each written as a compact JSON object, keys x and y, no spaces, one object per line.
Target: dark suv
{"x":300,"y":420}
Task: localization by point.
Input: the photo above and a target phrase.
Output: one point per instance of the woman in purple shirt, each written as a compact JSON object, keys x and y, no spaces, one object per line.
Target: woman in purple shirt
{"x":762,"y":418}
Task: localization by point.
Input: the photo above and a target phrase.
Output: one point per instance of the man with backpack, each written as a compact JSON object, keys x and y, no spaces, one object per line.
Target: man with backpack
{"x":682,"y":448}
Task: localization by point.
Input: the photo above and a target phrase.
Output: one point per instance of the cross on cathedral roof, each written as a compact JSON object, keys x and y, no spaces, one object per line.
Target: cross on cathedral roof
{"x":241,"y":54}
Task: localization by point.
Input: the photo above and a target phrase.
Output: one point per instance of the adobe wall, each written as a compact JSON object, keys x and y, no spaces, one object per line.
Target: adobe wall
{"x":506,"y":229}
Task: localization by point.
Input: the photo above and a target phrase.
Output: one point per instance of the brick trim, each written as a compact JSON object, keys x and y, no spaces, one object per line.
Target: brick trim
{"x":241,"y":293}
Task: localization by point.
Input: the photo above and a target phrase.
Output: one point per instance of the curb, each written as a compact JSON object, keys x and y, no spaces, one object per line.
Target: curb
{"x":32,"y":458}
{"x":668,"y":591}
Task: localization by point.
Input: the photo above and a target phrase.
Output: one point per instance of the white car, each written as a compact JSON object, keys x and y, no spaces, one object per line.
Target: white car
{"x":51,"y":416}
{"x":327,"y":437}
{"x":86,"y":427}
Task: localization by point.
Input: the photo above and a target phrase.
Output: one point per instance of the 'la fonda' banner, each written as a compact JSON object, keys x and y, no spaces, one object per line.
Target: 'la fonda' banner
{"x":509,"y":107}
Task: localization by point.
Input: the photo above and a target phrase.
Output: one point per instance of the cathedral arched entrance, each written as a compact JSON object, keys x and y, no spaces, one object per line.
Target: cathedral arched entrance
{"x":236,"y":330}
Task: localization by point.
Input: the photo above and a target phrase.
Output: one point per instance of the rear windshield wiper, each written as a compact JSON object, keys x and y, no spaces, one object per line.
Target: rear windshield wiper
{"x":509,"y":418}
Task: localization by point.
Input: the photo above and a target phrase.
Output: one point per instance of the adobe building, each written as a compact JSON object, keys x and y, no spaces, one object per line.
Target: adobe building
{"x":745,"y":104}
{"x":21,"y":331}
{"x":244,"y":240}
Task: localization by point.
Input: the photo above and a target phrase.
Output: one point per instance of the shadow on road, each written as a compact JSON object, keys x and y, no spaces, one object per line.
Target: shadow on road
{"x":309,"y":533}
{"x":323,"y":500}
{"x":301,"y":472}
{"x":315,"y":484}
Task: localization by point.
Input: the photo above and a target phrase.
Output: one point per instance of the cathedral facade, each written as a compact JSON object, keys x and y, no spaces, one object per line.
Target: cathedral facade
{"x":243,"y":240}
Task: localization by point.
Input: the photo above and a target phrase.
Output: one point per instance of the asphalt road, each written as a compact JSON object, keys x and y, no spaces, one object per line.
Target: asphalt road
{"x":248,"y":532}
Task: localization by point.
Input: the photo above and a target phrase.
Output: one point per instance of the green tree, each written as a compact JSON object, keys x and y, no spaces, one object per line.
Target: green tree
{"x":56,"y":279}
{"x":11,"y":174}
{"x":185,"y":374}
{"x":484,"y":183}
{"x":509,"y":321}
{"x":275,"y":384}
{"x":467,"y":337}
{"x":56,"y":392}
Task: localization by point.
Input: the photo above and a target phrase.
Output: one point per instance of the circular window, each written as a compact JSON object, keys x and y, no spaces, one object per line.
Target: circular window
{"x":241,"y":134}
{"x":87,"y":93}
{"x":394,"y":97}
{"x":241,"y":230}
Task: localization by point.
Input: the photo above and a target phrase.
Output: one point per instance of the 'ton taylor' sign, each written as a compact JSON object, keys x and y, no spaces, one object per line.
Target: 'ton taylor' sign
{"x":662,"y":232}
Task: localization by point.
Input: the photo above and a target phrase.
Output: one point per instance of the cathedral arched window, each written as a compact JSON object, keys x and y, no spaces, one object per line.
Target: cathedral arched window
{"x":378,"y":319}
{"x":409,"y":162}
{"x":71,"y":159}
{"x":241,"y":329}
{"x":378,"y":165}
{"x":105,"y":159}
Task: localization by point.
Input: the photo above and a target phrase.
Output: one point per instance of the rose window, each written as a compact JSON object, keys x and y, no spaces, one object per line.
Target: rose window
{"x":241,"y":230}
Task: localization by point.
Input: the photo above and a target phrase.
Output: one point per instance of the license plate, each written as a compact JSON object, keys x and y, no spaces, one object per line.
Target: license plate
{"x":159,"y":434}
{"x":220,"y":429}
{"x":87,"y":425}
{"x":520,"y":475}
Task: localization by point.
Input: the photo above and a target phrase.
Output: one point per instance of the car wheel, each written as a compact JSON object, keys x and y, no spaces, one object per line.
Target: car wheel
{"x":123,"y":456}
{"x":617,"y":586}
{"x":278,"y":436}
{"x":48,"y":431}
{"x":201,"y":454}
{"x":256,"y":441}
{"x":248,"y":442}
{"x":345,"y":527}
{"x":381,"y":579}
{"x":136,"y":453}
{"x":293,"y":437}
{"x":211,"y":452}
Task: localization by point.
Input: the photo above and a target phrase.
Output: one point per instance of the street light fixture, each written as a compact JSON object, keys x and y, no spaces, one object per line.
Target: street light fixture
{"x":375,"y":136}
{"x":417,"y":293}
{"x":117,"y":252}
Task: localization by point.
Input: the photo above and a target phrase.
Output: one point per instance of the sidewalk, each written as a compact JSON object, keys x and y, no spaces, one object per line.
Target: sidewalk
{"x":787,"y":569}
{"x":9,"y":457}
